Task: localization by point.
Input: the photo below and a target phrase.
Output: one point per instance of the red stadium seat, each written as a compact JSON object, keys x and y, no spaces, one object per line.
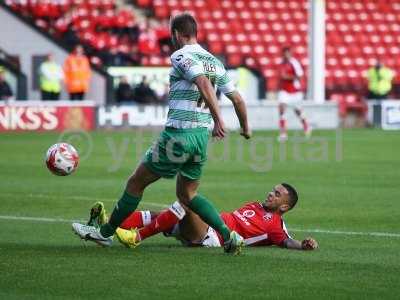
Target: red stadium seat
{"x":251,"y":62}
{"x":250,"y":32}
{"x":217,"y":47}
{"x":232,"y":49}
{"x":161,"y":12}
{"x":144,"y":3}
{"x":234,"y":60}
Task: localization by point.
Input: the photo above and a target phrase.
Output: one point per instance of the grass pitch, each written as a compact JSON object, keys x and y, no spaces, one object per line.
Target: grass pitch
{"x":348,"y":184}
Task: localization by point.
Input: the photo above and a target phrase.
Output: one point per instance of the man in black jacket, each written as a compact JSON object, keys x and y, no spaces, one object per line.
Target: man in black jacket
{"x":143,"y":93}
{"x":124,"y":91}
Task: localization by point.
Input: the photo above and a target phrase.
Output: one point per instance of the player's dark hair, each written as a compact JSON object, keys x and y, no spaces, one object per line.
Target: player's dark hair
{"x":293,"y":195}
{"x":185,"y":24}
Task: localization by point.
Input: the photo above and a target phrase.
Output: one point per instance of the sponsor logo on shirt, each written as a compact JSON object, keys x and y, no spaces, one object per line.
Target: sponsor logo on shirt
{"x":186,"y":64}
{"x":241,"y":217}
{"x":249,"y":213}
{"x":267,"y":216}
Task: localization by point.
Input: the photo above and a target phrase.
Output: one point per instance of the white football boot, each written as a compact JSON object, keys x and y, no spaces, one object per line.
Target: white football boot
{"x":91,"y":233}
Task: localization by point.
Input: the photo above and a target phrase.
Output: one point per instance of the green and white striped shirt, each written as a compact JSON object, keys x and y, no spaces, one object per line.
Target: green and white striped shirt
{"x":186,"y":108}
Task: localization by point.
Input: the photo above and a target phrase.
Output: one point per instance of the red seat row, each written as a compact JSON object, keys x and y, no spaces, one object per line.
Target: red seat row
{"x":253,"y":33}
{"x":245,"y":32}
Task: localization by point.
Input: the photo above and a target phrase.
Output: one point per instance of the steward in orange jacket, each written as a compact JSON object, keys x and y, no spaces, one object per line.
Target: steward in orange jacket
{"x":77,"y":74}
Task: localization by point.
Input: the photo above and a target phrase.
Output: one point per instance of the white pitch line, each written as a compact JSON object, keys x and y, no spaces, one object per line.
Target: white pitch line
{"x":60,"y":220}
{"x":36,"y":219}
{"x":380,"y":234}
{"x":144,"y":203}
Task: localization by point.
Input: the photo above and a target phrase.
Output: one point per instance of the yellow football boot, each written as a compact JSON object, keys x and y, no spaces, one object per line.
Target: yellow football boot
{"x":127,"y":237}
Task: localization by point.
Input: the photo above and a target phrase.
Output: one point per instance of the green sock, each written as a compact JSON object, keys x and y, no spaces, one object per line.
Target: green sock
{"x":125,"y":206}
{"x":207,"y":212}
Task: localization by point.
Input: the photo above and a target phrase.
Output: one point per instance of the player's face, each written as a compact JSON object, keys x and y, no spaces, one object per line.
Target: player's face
{"x":287,"y":54}
{"x":277,"y":199}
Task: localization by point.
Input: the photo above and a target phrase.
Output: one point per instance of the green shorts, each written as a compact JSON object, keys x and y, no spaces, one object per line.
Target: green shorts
{"x":181,"y":151}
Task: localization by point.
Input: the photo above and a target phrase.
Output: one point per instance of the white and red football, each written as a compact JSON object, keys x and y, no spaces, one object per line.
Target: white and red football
{"x":62,"y":159}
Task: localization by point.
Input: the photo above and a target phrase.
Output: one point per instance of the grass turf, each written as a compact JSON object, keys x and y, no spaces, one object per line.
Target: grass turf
{"x":347,"y":182}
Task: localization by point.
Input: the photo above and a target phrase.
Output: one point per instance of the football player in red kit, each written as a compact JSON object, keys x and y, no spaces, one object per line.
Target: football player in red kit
{"x":259,"y":223}
{"x":290,"y":93}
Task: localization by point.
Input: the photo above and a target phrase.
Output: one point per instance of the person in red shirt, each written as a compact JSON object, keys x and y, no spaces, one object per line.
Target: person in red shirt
{"x":259,"y":223}
{"x":290,"y":93}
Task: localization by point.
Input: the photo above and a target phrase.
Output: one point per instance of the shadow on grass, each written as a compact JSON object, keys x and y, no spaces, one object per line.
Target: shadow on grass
{"x":151,"y":251}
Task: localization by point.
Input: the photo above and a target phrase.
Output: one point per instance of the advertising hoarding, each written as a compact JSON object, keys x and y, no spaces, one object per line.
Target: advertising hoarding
{"x":391,"y":115}
{"x":46,"y":116}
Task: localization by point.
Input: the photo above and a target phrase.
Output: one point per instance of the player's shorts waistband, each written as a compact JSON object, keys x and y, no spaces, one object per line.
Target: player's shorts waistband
{"x":186,"y":130}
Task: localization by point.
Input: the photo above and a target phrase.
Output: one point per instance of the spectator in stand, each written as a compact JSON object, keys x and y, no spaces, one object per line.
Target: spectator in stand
{"x":69,"y":35}
{"x":143,"y":93}
{"x":5,"y":90}
{"x":51,"y":75}
{"x":290,"y":93}
{"x":77,"y":74}
{"x":379,"y":81}
{"x":124,"y":92}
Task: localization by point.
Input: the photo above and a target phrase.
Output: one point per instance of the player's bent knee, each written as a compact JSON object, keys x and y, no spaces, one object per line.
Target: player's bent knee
{"x":185,"y":195}
{"x":183,"y":198}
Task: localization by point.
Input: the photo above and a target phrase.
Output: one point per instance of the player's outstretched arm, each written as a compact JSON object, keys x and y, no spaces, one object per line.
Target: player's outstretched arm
{"x":306,"y":244}
{"x":241,"y":112}
{"x":210,"y":98}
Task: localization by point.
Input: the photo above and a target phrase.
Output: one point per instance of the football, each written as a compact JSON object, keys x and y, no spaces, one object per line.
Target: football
{"x":62,"y":159}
